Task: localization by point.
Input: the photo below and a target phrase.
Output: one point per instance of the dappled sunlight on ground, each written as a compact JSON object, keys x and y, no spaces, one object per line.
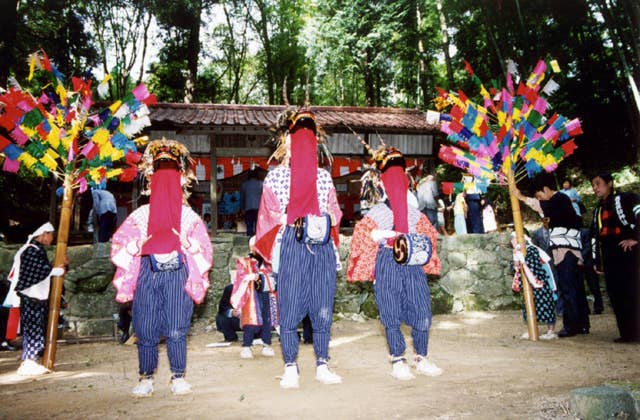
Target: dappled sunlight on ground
{"x":337,"y":342}
{"x":489,"y":373}
{"x":464,"y":318}
{"x":11,"y":378}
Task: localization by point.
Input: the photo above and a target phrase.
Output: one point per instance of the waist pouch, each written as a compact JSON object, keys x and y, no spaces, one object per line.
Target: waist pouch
{"x":174,"y":263}
{"x":412,"y":249}
{"x":315,"y":230}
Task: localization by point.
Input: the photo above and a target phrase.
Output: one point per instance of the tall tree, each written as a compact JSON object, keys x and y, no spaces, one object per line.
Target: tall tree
{"x":446,"y":44}
{"x":278,"y":25}
{"x":235,"y":47}
{"x":361,"y":34}
{"x":56,"y":26}
{"x":121,"y":30}
{"x":181,"y":21}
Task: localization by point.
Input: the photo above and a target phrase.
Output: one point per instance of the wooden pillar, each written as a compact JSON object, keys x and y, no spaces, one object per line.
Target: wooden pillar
{"x":134,"y":195}
{"x":213,"y":185}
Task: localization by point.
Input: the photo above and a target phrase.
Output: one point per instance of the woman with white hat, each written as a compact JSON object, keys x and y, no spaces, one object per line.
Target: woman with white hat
{"x":30,"y":278}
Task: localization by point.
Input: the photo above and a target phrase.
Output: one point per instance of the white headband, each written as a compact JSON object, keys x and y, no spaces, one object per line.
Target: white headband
{"x":47,"y":227}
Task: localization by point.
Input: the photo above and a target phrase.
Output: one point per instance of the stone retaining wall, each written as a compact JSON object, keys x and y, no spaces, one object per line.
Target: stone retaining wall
{"x":476,"y":275}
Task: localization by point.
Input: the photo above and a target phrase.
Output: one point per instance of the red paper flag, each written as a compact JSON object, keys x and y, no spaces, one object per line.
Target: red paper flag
{"x":468,"y":68}
{"x":4,"y":142}
{"x":45,"y":62}
{"x":133,"y":157}
{"x":457,"y":113}
{"x":129,"y":174}
{"x":569,"y":147}
{"x":442,"y":92}
{"x":150,"y":100}
{"x":463,"y":97}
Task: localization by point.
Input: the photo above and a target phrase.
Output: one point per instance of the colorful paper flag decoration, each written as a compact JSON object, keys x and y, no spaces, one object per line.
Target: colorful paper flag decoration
{"x":510,"y":130}
{"x":58,"y":131}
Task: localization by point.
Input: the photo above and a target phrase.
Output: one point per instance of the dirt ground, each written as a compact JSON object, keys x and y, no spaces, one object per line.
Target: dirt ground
{"x":489,"y":373}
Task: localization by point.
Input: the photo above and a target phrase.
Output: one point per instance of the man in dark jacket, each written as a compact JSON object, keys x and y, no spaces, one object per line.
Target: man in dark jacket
{"x":565,"y":246}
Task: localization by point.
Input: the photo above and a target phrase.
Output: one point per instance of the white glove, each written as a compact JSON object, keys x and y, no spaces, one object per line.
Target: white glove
{"x":192,"y":247}
{"x":518,"y":257}
{"x":57,"y":271}
{"x":133,"y":248}
{"x":250,"y":277}
{"x":379,"y":235}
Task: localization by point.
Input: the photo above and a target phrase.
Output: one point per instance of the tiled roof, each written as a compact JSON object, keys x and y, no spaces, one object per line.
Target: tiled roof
{"x":331,"y":118}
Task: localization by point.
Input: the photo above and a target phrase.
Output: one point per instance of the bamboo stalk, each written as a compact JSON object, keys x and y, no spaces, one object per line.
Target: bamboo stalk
{"x":48,"y":359}
{"x":532,"y":323}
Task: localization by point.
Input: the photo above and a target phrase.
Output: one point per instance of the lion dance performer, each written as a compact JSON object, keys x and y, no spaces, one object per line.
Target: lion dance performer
{"x":162,"y":254}
{"x":378,"y":254}
{"x":297,"y":233}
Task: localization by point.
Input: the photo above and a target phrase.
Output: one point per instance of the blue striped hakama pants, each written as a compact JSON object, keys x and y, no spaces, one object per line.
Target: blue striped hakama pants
{"x":306,"y":285}
{"x":161,"y":307}
{"x":402,"y":295}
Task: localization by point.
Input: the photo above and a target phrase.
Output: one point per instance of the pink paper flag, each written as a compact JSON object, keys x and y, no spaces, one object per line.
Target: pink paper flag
{"x":140,"y":92}
{"x":82,"y":185}
{"x":540,"y":106}
{"x":11,"y":165}
{"x":445,"y":128}
{"x":88,"y":148}
{"x":18,"y":135}
{"x":95,"y":119}
{"x":541,"y":67}
{"x":24,"y":106}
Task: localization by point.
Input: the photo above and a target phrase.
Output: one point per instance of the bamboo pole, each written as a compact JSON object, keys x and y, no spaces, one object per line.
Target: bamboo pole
{"x":532,"y":323}
{"x":48,"y":360}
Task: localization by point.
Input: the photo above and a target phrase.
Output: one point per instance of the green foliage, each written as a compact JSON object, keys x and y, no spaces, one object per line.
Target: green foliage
{"x":57,"y":26}
{"x":168,"y":75}
{"x":381,"y":53}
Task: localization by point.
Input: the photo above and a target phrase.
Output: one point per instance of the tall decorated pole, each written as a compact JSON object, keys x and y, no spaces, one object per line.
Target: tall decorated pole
{"x":55,"y":291}
{"x":507,"y":138}
{"x":57,"y":131}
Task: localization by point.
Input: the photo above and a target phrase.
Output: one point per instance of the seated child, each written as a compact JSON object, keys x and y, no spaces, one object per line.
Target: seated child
{"x":254,"y":296}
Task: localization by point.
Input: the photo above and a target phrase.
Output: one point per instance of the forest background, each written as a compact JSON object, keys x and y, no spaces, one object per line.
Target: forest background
{"x":348,"y":53}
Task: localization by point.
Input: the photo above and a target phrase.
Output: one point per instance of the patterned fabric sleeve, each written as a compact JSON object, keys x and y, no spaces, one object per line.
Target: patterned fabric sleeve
{"x":199,"y":262}
{"x":363,"y":252}
{"x":268,"y":224}
{"x":34,"y":267}
{"x":423,"y":226}
{"x":333,"y":208}
{"x":240,"y":293}
{"x":127,"y":265}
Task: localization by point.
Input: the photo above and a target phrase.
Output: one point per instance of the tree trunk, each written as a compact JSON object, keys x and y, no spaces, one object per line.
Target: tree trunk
{"x":193,"y":52}
{"x":266,"y":44}
{"x":368,"y":82}
{"x":445,"y":42}
{"x":145,"y":40}
{"x":489,"y":30}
